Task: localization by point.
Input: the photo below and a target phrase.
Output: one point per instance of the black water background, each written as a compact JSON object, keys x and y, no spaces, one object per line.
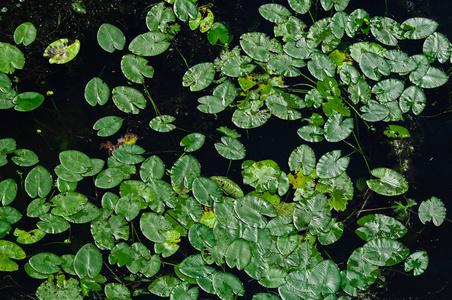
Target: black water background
{"x":69,"y":126}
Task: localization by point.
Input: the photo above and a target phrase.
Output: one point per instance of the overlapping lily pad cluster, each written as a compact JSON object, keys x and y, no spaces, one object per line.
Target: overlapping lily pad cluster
{"x":274,"y":234}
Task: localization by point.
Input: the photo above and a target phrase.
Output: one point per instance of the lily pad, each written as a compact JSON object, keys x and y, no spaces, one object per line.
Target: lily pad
{"x":38,"y":182}
{"x":25,"y":33}
{"x":230,"y":148}
{"x":62,"y":51}
{"x":128,"y":99}
{"x":162,"y":123}
{"x":96,"y":92}
{"x":332,"y":164}
{"x":417,"y":262}
{"x":389,"y":182}
{"x":110,"y":38}
{"x":88,"y":261}
{"x":151,"y":43}
{"x":199,"y":76}
{"x":28,"y":101}
{"x":11,"y":58}
{"x":135,"y":68}
{"x":108,"y":126}
{"x":432,"y":210}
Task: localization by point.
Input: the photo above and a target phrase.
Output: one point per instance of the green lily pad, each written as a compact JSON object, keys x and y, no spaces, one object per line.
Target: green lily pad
{"x":185,"y":9}
{"x":162,"y":123}
{"x":199,"y":76}
{"x":437,"y":46}
{"x":206,"y":191}
{"x":419,"y":28}
{"x":258,"y":46}
{"x":432,"y":210}
{"x":417,"y":262}
{"x":108,"y":126}
{"x":413,"y":98}
{"x":373,"y":66}
{"x":110,"y":38}
{"x":386,"y":30}
{"x":88,"y":261}
{"x":153,"y":226}
{"x":152,"y":168}
{"x":45,"y":263}
{"x":62,"y":289}
{"x":275,"y":13}
{"x":284,"y":106}
{"x":251,"y":210}
{"x":380,"y":226}
{"x":28,"y":237}
{"x":238,"y":66}
{"x":163,"y":286}
{"x":303,"y":158}
{"x":25,"y":33}
{"x":38,"y":182}
{"x":62,"y":51}
{"x":389,"y":182}
{"x":151,"y":43}
{"x":28,"y":101}
{"x":96,"y":92}
{"x":68,"y":204}
{"x":337,"y":128}
{"x":312,"y":213}
{"x":184,"y":171}
{"x":332,"y":164}
{"x":52,"y":224}
{"x":116,"y":291}
{"x":384,"y":252}
{"x":238,"y":254}
{"x":135,"y":68}
{"x":192,"y":142}
{"x":12,"y":58}
{"x":219,"y":33}
{"x":25,"y":158}
{"x":230,"y":148}
{"x":300,"y":6}
{"x":75,"y":161}
{"x":109,"y":178}
{"x":311,"y":133}
{"x":229,"y":187}
{"x":8,"y":191}
{"x":128,"y":99}
{"x":9,"y":251}
{"x":200,"y":236}
{"x":129,"y":154}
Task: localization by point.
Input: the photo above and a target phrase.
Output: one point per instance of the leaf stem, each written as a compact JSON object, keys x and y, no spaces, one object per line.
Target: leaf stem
{"x":182,"y":57}
{"x":157,"y":112}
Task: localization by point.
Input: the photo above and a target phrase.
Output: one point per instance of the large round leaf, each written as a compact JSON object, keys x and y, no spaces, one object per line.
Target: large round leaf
{"x":109,"y":178}
{"x":373,"y":65}
{"x":152,"y":168}
{"x":384,"y":252}
{"x":389,"y":182}
{"x":275,"y":13}
{"x":88,"y":261}
{"x":193,"y":142}
{"x":432,"y":210}
{"x":25,"y":158}
{"x":38,"y":182}
{"x":379,"y":226}
{"x":8,"y":191}
{"x":413,"y":97}
{"x":238,"y":254}
{"x":135,"y":68}
{"x":45,"y":262}
{"x":206,"y":191}
{"x":68,"y":204}
{"x":75,"y":161}
{"x":194,"y":267}
{"x":149,"y":44}
{"x":185,"y":9}
{"x":238,"y":66}
{"x":437,"y":46}
{"x":199,"y":76}
{"x":162,"y":123}
{"x":184,"y":171}
{"x":128,"y":99}
{"x":129,"y":154}
{"x":417,"y":262}
{"x":28,"y":101}
{"x":230,"y":148}
{"x":332,"y":164}
{"x":302,"y":157}
{"x":251,"y":210}
{"x":108,"y":125}
{"x":25,"y":33}
{"x":96,"y":92}
{"x":153,"y":226}
{"x":163,"y":286}
{"x":110,"y":38}
{"x":248,"y":118}
{"x":62,"y":51}
{"x":52,"y":224}
{"x":419,"y":28}
{"x":12,"y":58}
{"x":258,"y":46}
{"x":337,"y":128}
{"x":312,"y":213}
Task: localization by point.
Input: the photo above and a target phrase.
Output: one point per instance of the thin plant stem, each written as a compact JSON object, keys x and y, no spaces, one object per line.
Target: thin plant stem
{"x":182,"y":57}
{"x":157,"y":112}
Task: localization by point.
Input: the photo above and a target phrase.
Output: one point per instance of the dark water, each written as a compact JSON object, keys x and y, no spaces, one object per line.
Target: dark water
{"x":66,"y":123}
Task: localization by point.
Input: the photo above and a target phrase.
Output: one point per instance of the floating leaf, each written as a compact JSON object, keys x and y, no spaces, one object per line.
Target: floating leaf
{"x":88,"y":213}
{"x":332,"y":164}
{"x":135,"y":68}
{"x":185,"y":9}
{"x":128,"y":99}
{"x":68,"y":204}
{"x":321,"y":66}
{"x":251,"y":210}
{"x":129,"y":154}
{"x":412,"y":98}
{"x":152,"y":168}
{"x":229,"y":187}
{"x":62,"y":51}
{"x":162,"y":123}
{"x":258,"y":46}
{"x":25,"y":158}
{"x":184,"y":171}
{"x":238,"y":254}
{"x":96,"y":92}
{"x":8,"y":251}
{"x":199,"y":76}
{"x":248,"y":118}
{"x":149,"y":44}
{"x":206,"y":191}
{"x":437,"y":46}
{"x":75,"y":161}
{"x":38,"y":182}
{"x":194,"y":266}
{"x":390,"y":183}
{"x":109,"y":178}
{"x":163,"y":286}
{"x":116,"y":291}
{"x":193,"y":142}
{"x":52,"y":224}
{"x":110,"y":38}
{"x":28,"y":101}
{"x":300,"y":6}
{"x":159,"y":17}
{"x":230,"y":148}
{"x":373,"y":65}
{"x":384,"y":252}
{"x":302,"y":158}
{"x":312,"y":213}
{"x":88,"y":261}
{"x":262,"y":175}
{"x":432,"y":210}
{"x":337,"y":129}
{"x":355,"y":21}
{"x":45,"y":262}
{"x":108,"y":126}
{"x":417,"y":262}
{"x":419,"y":28}
{"x":11,"y":58}
{"x":284,"y":106}
{"x":311,"y":133}
{"x":388,"y":90}
{"x":219,"y":33}
{"x":386,"y":30}
{"x":395,"y":131}
{"x":238,"y":66}
{"x":275,"y":13}
{"x":8,"y":191}
{"x":374,"y":111}
{"x":25,"y":33}
{"x":61,"y":289}
{"x":359,"y":91}
{"x":352,"y":281}
{"x":153,"y":226}
{"x":380,"y":226}
{"x":433,"y":78}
